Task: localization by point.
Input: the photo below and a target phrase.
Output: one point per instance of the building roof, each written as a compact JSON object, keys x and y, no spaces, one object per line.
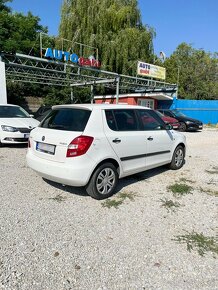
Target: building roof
{"x":157,"y":96}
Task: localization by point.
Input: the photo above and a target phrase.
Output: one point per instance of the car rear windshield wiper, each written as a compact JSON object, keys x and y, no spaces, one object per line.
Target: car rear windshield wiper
{"x":56,"y":126}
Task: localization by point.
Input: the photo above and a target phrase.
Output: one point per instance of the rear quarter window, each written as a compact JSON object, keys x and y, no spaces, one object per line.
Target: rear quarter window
{"x":66,"y":119}
{"x":122,"y":120}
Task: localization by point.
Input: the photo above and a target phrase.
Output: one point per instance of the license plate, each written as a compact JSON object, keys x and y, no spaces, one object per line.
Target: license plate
{"x":26,"y":135}
{"x":200,"y":127}
{"x":46,"y":148}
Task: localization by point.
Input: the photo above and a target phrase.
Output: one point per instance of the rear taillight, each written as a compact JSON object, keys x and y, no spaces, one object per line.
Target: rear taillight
{"x":79,"y":146}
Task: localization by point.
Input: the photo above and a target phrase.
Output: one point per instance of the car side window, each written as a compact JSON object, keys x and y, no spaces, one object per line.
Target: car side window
{"x":149,"y":120}
{"x":168,"y":114}
{"x":122,"y":120}
{"x":111,"y":120}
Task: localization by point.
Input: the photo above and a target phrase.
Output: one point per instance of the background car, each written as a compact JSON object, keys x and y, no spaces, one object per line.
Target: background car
{"x":15,"y":124}
{"x":169,"y":120}
{"x":186,"y":123}
{"x":94,"y":145}
{"x":42,"y":112}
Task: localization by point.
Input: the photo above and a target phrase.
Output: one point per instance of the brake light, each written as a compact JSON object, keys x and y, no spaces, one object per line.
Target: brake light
{"x":79,"y":146}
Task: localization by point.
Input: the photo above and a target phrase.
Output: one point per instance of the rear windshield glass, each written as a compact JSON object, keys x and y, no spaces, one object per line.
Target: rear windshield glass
{"x":13,"y":112}
{"x":66,"y":119}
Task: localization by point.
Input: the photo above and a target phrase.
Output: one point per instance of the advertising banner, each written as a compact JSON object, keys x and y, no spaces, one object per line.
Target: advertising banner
{"x":150,"y":70}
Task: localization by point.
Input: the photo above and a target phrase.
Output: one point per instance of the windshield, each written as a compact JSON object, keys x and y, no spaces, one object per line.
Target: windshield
{"x":13,"y":112}
{"x":178,"y":114}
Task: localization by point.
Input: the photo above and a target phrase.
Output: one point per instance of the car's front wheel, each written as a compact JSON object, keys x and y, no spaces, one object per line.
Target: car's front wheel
{"x":182,"y":127}
{"x":103,"y":181}
{"x":178,"y":158}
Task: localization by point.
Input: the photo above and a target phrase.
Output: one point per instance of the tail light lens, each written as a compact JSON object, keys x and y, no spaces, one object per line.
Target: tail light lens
{"x":79,"y":146}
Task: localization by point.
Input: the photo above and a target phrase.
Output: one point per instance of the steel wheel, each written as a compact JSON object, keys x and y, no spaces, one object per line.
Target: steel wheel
{"x":105,"y":181}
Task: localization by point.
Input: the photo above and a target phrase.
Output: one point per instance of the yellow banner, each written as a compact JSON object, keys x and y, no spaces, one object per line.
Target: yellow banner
{"x":150,"y":70}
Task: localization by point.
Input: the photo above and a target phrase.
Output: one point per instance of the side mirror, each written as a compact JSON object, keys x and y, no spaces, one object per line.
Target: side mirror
{"x":168,"y":127}
{"x":31,"y":115}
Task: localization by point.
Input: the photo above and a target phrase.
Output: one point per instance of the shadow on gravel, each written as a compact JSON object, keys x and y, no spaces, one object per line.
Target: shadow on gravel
{"x":142,"y":176}
{"x":70,"y":189}
{"x":17,"y":146}
{"x":192,"y":132}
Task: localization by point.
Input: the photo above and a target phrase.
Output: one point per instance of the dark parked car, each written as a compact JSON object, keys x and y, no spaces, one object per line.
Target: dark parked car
{"x":169,"y":120}
{"x":42,"y":112}
{"x":186,"y":123}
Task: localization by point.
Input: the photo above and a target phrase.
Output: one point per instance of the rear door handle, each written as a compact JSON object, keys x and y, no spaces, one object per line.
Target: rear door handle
{"x":117,"y":140}
{"x":150,"y":138}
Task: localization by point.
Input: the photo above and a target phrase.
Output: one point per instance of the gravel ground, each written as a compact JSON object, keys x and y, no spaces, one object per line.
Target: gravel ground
{"x":54,"y":237}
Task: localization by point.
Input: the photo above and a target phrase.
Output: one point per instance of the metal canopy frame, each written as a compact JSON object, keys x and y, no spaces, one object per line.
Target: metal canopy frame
{"x":30,"y":69}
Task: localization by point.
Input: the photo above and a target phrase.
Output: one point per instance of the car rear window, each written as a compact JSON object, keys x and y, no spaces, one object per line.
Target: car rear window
{"x":66,"y":119}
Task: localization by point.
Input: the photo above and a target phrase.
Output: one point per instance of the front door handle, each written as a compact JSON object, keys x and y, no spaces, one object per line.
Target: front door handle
{"x":117,"y":140}
{"x":150,"y":138}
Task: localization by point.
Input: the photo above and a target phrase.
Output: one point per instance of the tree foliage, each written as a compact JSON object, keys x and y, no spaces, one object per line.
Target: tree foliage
{"x":113,"y":26}
{"x":116,"y":29}
{"x":196,"y":72}
{"x":19,"y":32}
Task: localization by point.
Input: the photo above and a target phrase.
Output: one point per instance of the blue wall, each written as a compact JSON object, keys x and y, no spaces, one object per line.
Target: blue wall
{"x":206,"y":111}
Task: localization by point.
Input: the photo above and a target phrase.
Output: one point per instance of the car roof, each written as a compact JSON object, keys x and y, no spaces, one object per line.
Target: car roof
{"x":10,"y":105}
{"x":100,"y":106}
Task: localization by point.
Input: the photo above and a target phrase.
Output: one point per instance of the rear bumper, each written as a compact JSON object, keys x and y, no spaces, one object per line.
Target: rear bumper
{"x":74,"y":172}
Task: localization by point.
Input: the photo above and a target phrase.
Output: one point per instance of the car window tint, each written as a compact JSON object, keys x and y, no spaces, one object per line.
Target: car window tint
{"x":125,"y":120}
{"x":149,"y":120}
{"x":121,"y":120}
{"x":111,"y":120}
{"x":169,"y":114}
{"x":66,"y":119}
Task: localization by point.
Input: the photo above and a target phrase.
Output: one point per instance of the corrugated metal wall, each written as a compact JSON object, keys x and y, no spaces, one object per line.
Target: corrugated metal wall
{"x":204,"y":110}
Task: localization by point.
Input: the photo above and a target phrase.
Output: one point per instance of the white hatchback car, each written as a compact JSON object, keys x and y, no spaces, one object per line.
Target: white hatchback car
{"x":15,"y":124}
{"x":95,"y":145}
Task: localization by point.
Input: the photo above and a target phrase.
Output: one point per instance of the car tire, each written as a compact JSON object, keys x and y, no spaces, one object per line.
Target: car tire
{"x":182,"y":127}
{"x":178,"y":158}
{"x":103,"y":181}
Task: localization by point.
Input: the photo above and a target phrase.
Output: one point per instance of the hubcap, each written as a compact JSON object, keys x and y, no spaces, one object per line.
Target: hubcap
{"x":179,"y":157}
{"x":182,"y":127}
{"x":105,"y":181}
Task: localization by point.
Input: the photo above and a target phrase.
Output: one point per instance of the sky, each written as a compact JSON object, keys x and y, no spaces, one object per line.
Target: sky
{"x":175,"y":21}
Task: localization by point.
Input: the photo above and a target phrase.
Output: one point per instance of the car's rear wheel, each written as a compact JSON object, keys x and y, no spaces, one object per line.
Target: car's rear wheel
{"x":182,"y":127}
{"x":178,"y":158}
{"x":103,"y":182}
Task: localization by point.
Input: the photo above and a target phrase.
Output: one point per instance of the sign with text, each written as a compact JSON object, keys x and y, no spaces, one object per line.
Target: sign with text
{"x":72,"y":57}
{"x":150,"y":70}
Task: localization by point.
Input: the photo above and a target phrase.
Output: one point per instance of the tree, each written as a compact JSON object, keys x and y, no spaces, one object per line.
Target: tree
{"x":195,"y":71}
{"x":113,"y":26}
{"x":19,"y":33}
